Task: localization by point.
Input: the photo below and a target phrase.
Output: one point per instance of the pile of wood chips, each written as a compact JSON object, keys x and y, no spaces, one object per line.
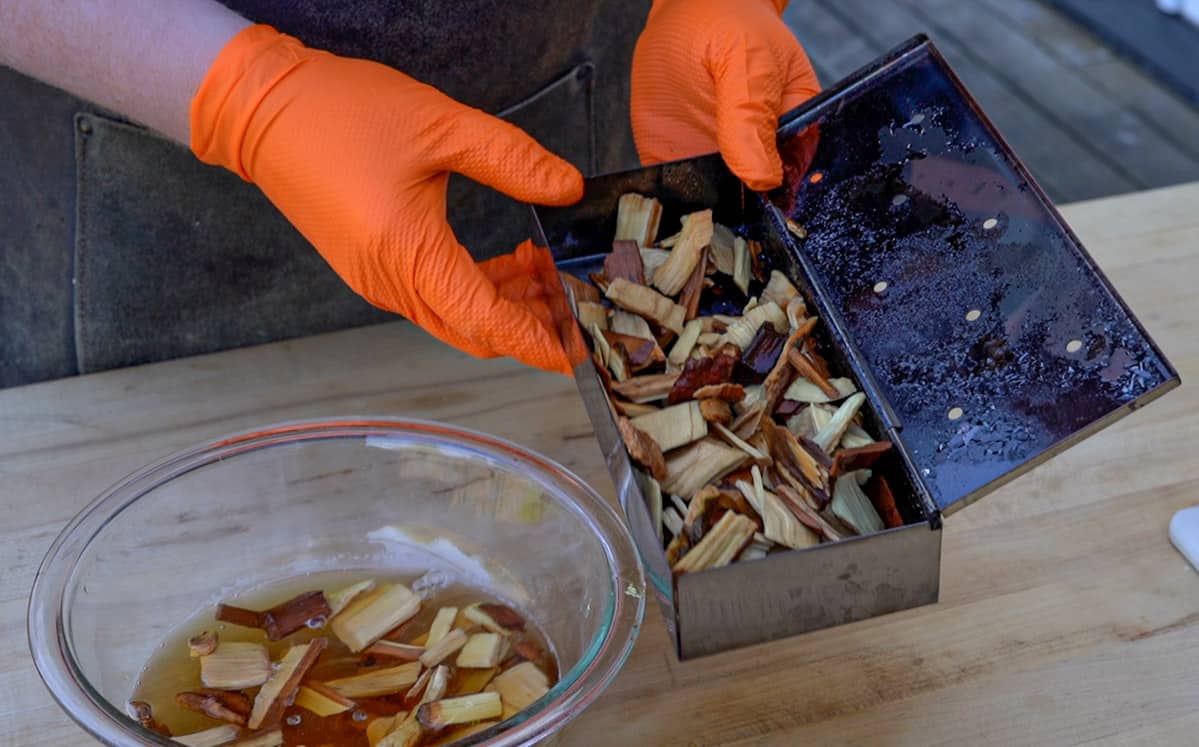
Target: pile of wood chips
{"x":751,"y":445}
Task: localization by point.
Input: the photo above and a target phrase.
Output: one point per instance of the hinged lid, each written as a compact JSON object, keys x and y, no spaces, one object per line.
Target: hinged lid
{"x":992,"y":336}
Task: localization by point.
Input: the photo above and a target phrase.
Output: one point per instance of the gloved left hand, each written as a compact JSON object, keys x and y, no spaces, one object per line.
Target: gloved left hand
{"x":714,"y":75}
{"x":357,"y":155}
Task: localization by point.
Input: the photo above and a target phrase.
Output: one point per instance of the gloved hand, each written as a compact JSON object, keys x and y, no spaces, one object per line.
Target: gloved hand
{"x":714,"y":75}
{"x":357,"y":156}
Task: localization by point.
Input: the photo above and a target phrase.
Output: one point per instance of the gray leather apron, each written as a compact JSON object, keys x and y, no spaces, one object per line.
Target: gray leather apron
{"x":118,"y":247}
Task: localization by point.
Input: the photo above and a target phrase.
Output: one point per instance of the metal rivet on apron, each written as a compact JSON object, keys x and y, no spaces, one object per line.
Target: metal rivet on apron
{"x":85,"y":126}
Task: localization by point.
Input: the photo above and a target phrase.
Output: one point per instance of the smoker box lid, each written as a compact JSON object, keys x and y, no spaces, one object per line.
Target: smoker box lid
{"x":983,"y":325}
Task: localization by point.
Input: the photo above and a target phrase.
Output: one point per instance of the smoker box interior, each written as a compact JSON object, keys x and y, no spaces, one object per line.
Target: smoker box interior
{"x":948,"y":288}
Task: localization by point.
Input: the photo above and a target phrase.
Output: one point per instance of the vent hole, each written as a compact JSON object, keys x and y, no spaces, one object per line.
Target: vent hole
{"x":955,"y":413}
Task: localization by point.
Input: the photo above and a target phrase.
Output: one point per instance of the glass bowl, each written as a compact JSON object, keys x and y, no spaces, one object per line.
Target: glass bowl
{"x":314,"y":496}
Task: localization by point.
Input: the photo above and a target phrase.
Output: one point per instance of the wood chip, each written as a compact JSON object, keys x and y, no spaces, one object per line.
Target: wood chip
{"x":719,"y":546}
{"x":628,"y":323}
{"x":340,"y":598}
{"x":279,"y":690}
{"x":830,"y":435}
{"x":221,"y":705}
{"x":581,"y":290}
{"x":322,"y":700}
{"x":860,"y":458}
{"x":879,"y":492}
{"x":371,"y":615}
{"x":802,"y":390}
{"x":693,"y":467}
{"x":377,"y":682}
{"x":521,"y":686}
{"x":214,"y":737}
{"x":482,"y":651}
{"x":393,"y":650}
{"x":461,"y":710}
{"x":779,"y":290}
{"x":726,"y":392}
{"x":806,"y":369}
{"x":715,"y":411}
{"x":643,"y":449}
{"x":721,"y":248}
{"x":443,"y":649}
{"x":648,"y":303}
{"x":674,"y":426}
{"x":235,"y":665}
{"x":638,"y":353}
{"x":853,"y":507}
{"x":741,"y":265}
{"x":690,"y":296}
{"x":647,"y":387}
{"x":685,"y":255}
{"x":590,"y":313}
{"x":637,"y":219}
{"x":704,"y":371}
{"x":624,"y":261}
{"x":202,"y":645}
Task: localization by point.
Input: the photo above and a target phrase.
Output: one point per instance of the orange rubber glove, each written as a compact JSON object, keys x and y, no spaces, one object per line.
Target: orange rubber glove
{"x":357,"y":155}
{"x":714,"y":75}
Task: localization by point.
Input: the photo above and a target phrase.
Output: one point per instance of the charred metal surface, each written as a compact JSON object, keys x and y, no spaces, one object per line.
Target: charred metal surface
{"x":994,"y":338}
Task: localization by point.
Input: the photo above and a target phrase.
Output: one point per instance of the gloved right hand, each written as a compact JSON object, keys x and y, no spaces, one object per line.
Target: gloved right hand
{"x":713,"y":75}
{"x":357,"y":155}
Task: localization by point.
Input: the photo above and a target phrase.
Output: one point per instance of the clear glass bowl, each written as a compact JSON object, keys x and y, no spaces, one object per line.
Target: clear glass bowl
{"x":309,"y":497}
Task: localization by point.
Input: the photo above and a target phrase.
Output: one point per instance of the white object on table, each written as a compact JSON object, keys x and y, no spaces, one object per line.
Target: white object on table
{"x":1184,"y":533}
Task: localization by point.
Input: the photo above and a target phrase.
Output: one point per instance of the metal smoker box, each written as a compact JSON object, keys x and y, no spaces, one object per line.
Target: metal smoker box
{"x":983,"y":335}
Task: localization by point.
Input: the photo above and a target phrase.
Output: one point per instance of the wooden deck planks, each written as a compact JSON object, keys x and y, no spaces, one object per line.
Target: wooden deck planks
{"x":1086,"y":122}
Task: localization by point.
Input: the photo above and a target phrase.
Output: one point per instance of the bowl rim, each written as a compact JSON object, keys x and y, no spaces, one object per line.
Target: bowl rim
{"x":576,"y":689}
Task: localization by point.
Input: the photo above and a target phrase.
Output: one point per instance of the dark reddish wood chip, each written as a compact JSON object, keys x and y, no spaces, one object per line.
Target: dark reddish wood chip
{"x":239,"y":616}
{"x":284,"y":619}
{"x":788,"y":407}
{"x":639,"y":352}
{"x":642,"y":448}
{"x":726,"y":392}
{"x":703,"y":371}
{"x":600,"y":280}
{"x":879,"y":492}
{"x":761,"y":355}
{"x":582,"y":290}
{"x":862,"y":457}
{"x":281,"y":620}
{"x":625,"y":262}
{"x":141,"y":711}
{"x":505,"y":616}
{"x":222,"y":705}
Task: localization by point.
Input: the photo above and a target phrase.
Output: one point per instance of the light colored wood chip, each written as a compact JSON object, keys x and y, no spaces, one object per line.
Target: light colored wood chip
{"x":377,"y":682}
{"x":652,"y":259}
{"x":393,"y":650}
{"x":449,"y":644}
{"x":646,"y":388}
{"x":637,"y":219}
{"x":830,"y":435}
{"x":521,"y":686}
{"x":721,"y":248}
{"x":802,"y":390}
{"x":676,"y":270}
{"x":853,"y":507}
{"x":321,"y":699}
{"x":742,"y":264}
{"x":691,"y":468}
{"x":648,"y":303}
{"x":741,"y":332}
{"x":202,"y":644}
{"x":592,"y":313}
{"x":461,"y":710}
{"x":779,"y":289}
{"x":674,"y":426}
{"x":482,"y":651}
{"x":278,"y":691}
{"x":720,"y":545}
{"x":371,"y":615}
{"x":235,"y":665}
{"x":218,"y":735}
{"x":735,"y":440}
{"x":628,"y":323}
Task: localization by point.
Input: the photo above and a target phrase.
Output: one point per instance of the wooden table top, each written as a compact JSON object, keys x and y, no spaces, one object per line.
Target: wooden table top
{"x":1066,"y":616}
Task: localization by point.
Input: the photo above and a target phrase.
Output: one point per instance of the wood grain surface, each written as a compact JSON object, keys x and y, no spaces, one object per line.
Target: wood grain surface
{"x":1065,"y":618}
